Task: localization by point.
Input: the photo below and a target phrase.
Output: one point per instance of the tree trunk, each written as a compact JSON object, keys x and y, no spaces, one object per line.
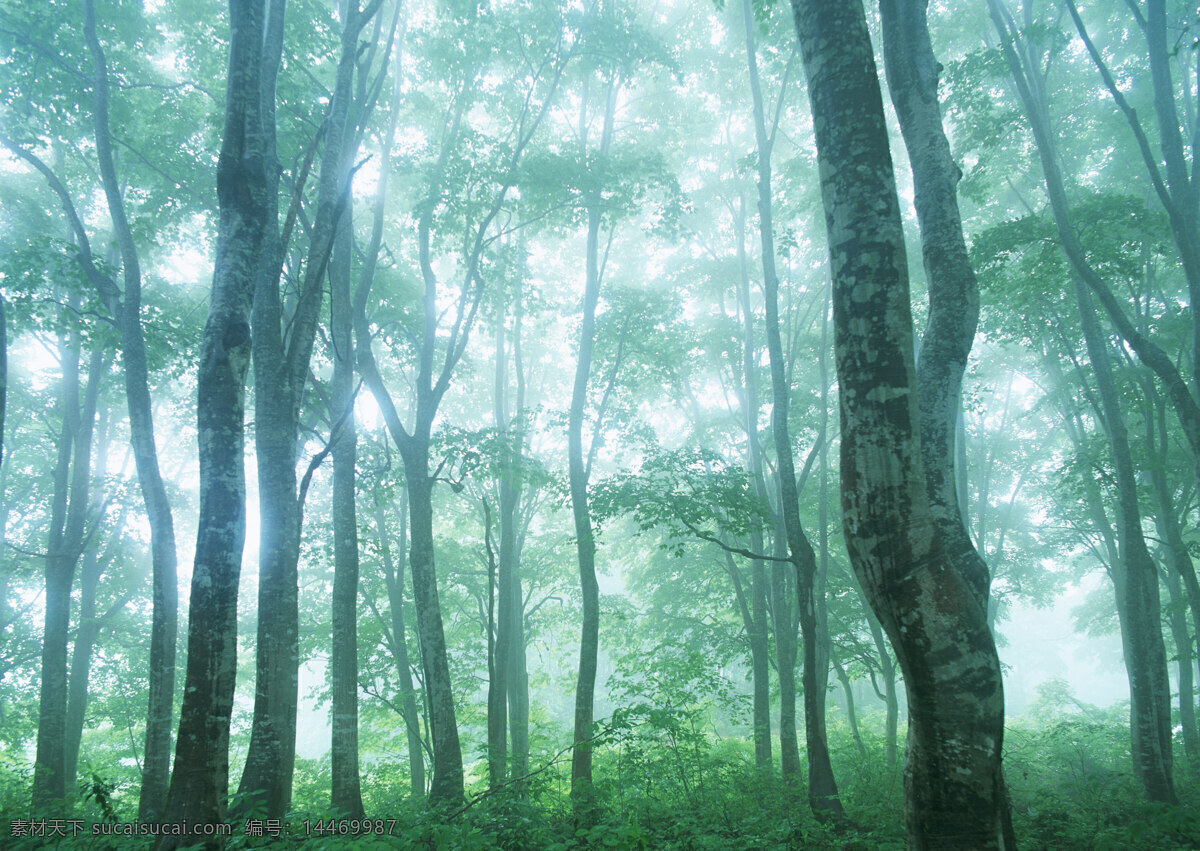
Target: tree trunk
{"x":281,"y":366}
{"x":446,"y":785}
{"x":912,"y":73}
{"x":69,"y":516}
{"x":930,"y":612}
{"x":346,"y":793}
{"x":756,"y":622}
{"x":1134,"y":573}
{"x":851,"y":715}
{"x":200,"y":780}
{"x":126,"y":310}
{"x":394,"y":580}
{"x":88,"y":630}
{"x":822,"y":787}
{"x":1185,"y":666}
{"x":1136,"y":579}
{"x":578,"y":468}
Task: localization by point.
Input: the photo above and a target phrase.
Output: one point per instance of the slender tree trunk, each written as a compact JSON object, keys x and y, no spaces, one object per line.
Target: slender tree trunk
{"x":1185,"y":666}
{"x":1136,"y":579}
{"x":88,"y":630}
{"x":822,"y":788}
{"x":930,"y":612}
{"x":346,"y":790}
{"x":756,"y":624}
{"x":518,"y":675}
{"x":783,"y":623}
{"x":1134,"y":573}
{"x":126,"y":309}
{"x":497,"y":718}
{"x":394,"y":579}
{"x":446,"y":785}
{"x":200,"y":780}
{"x":69,"y":516}
{"x":851,"y":715}
{"x":582,"y":796}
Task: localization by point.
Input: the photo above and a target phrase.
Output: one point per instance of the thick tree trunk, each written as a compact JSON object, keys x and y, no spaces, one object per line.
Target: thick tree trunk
{"x":912,"y":72}
{"x":200,"y":780}
{"x":930,"y":612}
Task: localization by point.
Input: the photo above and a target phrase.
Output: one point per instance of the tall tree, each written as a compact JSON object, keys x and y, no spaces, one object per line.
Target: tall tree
{"x":1134,"y":573}
{"x":822,"y":787}
{"x":283,"y":347}
{"x":245,"y":193}
{"x":126,"y":307}
{"x":579,"y":462}
{"x":70,"y":513}
{"x":930,"y":612}
{"x":441,"y":348}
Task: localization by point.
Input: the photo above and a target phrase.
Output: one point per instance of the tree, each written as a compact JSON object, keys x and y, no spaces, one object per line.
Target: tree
{"x":282,"y":353}
{"x":200,"y":779}
{"x":436,"y":360}
{"x":929,"y":610}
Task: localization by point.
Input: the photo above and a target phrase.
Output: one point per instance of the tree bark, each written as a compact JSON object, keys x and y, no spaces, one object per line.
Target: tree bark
{"x":69,"y":516}
{"x":822,"y":787}
{"x":930,"y":612}
{"x":755,"y":616}
{"x":912,"y":73}
{"x":578,"y":469}
{"x":199,"y":782}
{"x":1134,"y":573}
{"x":346,"y":792}
{"x":282,"y":352}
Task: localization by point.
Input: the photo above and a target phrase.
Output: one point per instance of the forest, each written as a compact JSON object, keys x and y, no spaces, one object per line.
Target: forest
{"x":550,"y":424}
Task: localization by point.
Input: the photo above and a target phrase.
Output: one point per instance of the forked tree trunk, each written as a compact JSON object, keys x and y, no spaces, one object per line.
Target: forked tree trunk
{"x":200,"y":780}
{"x":930,"y":612}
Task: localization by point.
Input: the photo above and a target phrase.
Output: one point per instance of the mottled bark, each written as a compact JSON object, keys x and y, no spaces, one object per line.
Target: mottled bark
{"x":200,"y":780}
{"x":931,"y":613}
{"x":913,"y":72}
